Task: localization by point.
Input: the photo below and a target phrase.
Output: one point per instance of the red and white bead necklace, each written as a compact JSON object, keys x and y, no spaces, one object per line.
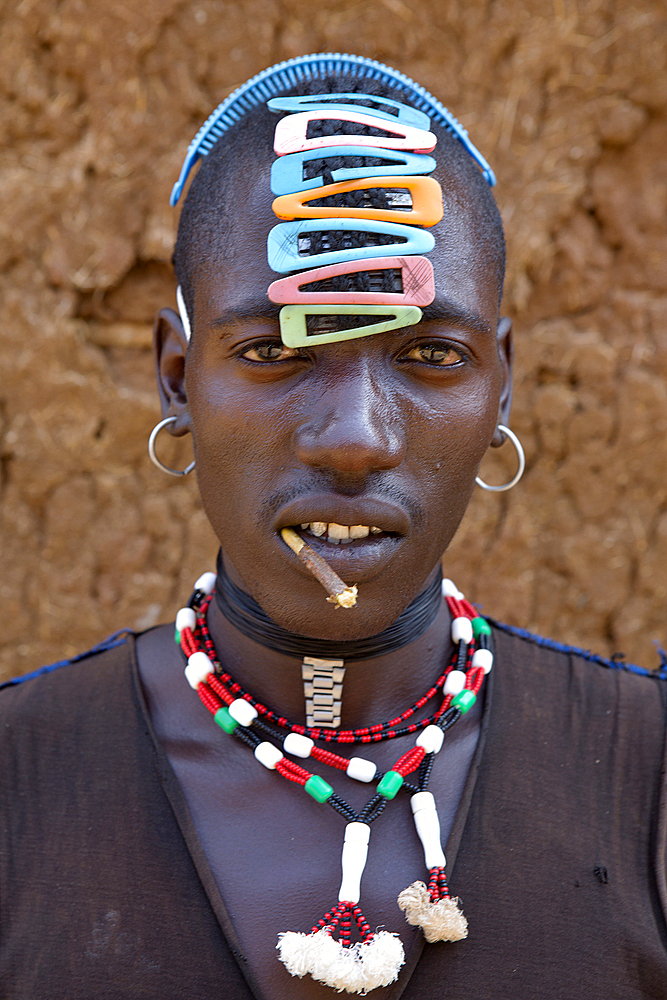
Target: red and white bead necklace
{"x":327,"y":952}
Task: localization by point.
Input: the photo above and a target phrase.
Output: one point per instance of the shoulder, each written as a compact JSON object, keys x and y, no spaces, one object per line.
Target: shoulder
{"x":70,"y":724}
{"x":538,"y":646}
{"x":54,"y":693}
{"x":545,"y":669}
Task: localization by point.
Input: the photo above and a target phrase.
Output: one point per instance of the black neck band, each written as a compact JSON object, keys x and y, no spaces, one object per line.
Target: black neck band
{"x":245,"y":614}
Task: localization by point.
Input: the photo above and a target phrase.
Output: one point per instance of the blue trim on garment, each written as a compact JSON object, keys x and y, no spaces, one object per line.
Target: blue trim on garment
{"x":109,"y":643}
{"x":585,"y":654}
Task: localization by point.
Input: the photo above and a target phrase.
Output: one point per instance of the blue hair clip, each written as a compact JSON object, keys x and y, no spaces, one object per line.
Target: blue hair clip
{"x":353,"y":102}
{"x":287,"y":171}
{"x":286,"y":75}
{"x":283,"y":242}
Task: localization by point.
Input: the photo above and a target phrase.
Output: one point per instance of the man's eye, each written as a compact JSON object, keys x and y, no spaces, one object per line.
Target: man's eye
{"x":434,"y":354}
{"x":272,"y":350}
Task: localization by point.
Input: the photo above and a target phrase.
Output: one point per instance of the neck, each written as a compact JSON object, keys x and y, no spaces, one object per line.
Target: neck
{"x":375,"y":689}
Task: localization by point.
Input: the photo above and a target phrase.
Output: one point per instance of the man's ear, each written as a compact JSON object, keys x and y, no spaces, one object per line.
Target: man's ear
{"x":169,"y":348}
{"x":506,"y":355}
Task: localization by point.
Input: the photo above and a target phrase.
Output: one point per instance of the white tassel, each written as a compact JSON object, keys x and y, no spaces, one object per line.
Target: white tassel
{"x":300,"y":953}
{"x":358,"y":969}
{"x":441,"y":921}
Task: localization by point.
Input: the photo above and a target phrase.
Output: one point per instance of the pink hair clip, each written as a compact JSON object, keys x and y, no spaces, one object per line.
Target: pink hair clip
{"x":290,"y":135}
{"x":416,"y":282}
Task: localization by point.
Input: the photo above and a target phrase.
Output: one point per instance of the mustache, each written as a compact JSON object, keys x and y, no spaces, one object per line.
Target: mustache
{"x":374,"y":486}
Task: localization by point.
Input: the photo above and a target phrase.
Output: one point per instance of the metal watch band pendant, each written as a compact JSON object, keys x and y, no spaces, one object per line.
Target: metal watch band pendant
{"x":323,"y":691}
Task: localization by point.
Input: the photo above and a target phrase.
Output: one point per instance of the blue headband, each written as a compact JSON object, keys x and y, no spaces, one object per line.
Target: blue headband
{"x":287,"y":75}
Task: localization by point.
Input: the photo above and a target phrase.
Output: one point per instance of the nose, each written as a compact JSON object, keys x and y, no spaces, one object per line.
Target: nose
{"x":352,"y":427}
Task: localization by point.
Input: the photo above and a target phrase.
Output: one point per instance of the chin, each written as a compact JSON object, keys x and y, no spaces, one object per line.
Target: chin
{"x":308,"y":613}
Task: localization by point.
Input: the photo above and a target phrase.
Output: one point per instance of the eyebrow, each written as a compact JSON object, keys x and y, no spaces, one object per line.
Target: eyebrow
{"x":260,"y":307}
{"x":447,"y":310}
{"x":443,"y":309}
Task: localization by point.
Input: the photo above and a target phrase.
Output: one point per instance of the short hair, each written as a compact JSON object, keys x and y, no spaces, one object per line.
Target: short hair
{"x":209,"y":206}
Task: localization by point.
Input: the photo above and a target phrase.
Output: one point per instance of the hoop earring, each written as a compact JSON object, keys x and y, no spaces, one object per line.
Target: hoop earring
{"x":522,"y":464}
{"x":153,"y":457}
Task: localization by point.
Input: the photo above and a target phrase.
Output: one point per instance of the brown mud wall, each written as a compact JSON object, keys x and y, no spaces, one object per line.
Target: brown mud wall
{"x":99,"y":100}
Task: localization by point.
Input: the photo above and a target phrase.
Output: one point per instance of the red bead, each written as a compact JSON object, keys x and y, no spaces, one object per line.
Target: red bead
{"x":292,"y":771}
{"x":220,"y":690}
{"x":209,"y":699}
{"x":410,"y":761}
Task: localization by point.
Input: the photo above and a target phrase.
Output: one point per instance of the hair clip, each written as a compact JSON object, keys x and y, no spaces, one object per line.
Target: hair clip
{"x":353,"y":102}
{"x":291,"y":73}
{"x":425,"y":196}
{"x":183,"y":313}
{"x":416,"y":278}
{"x":290,"y":135}
{"x":285,"y":242}
{"x":287,"y":171}
{"x":294,"y":326}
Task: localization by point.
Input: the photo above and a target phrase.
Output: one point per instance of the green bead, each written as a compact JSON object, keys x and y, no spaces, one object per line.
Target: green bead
{"x":224,"y":719}
{"x":390,"y":784}
{"x":480,"y":626}
{"x":318,"y":788}
{"x":464,"y":700}
{"x":177,"y":637}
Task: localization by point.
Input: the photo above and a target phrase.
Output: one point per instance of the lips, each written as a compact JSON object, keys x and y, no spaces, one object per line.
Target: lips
{"x":378,"y":529}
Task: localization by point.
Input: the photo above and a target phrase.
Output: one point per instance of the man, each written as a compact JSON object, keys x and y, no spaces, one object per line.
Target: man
{"x":144,"y":853}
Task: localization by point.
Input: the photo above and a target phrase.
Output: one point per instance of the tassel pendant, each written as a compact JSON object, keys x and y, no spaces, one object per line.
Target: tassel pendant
{"x":375,"y":960}
{"x":432,"y":908}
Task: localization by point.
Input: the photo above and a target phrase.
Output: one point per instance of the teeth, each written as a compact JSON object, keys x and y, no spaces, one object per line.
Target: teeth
{"x":336,"y":533}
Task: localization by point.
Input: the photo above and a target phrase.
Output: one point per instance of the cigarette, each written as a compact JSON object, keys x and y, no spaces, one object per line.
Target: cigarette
{"x":339,"y":593}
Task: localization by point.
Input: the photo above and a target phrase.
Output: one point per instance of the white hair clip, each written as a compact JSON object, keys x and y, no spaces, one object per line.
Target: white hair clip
{"x":183,"y":313}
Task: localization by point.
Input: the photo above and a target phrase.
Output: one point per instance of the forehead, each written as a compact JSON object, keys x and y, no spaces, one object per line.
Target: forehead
{"x":234,"y":265}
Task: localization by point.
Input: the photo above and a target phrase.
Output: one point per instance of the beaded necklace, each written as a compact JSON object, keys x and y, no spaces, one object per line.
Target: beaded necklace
{"x":327,"y":952}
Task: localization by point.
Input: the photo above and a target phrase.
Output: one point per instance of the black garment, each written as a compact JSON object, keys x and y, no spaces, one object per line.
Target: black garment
{"x":558,"y":850}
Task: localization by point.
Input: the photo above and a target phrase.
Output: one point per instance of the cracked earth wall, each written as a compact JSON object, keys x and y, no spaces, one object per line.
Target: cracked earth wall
{"x":568,"y":102}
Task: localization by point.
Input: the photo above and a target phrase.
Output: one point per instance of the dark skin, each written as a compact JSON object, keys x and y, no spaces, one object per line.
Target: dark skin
{"x":387,"y":430}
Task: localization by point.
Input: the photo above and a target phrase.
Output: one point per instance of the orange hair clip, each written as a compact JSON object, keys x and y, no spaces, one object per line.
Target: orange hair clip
{"x":426,"y":196}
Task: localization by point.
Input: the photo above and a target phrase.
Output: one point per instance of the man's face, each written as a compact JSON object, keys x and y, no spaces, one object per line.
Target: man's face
{"x":385,"y":431}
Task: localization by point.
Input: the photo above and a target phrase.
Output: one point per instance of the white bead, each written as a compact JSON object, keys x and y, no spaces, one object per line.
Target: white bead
{"x":206,"y":583}
{"x":185,"y":618}
{"x":268,"y":755}
{"x":297,"y":745}
{"x":462,"y":630}
{"x":353,"y":862}
{"x":198,"y":668}
{"x":454,"y":682}
{"x":360,"y":769}
{"x":427,"y":825}
{"x":242,"y":711}
{"x":449,"y":589}
{"x":483,"y":658}
{"x":430,"y":739}
{"x":422,"y":800}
